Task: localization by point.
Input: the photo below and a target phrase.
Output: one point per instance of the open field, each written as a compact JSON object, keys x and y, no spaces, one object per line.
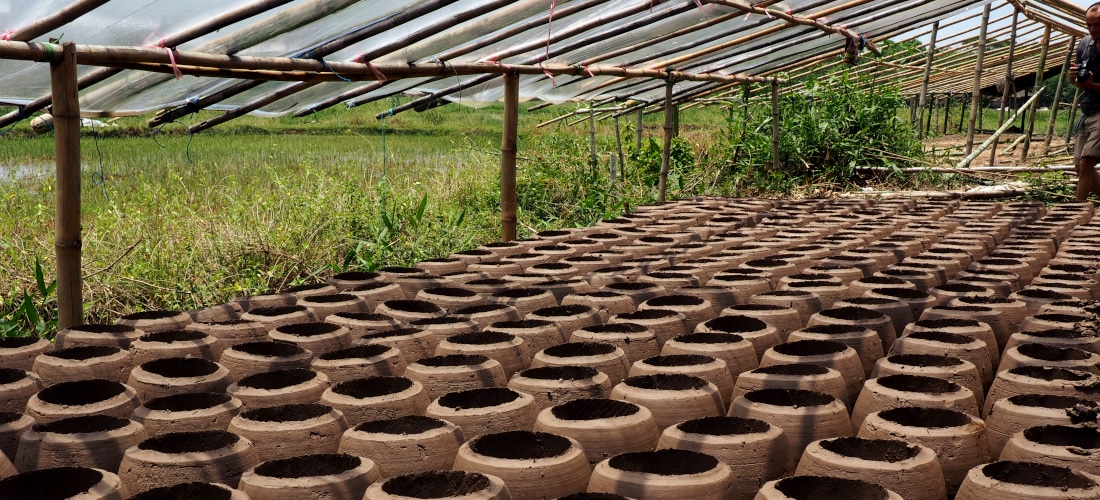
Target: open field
{"x":267,"y":203}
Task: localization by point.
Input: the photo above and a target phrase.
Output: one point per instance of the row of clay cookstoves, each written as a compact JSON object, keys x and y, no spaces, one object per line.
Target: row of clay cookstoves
{"x":708,"y":348}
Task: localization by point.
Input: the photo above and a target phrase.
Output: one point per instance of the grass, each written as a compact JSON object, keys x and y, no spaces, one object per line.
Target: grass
{"x":260,"y":204}
{"x":267,"y":203}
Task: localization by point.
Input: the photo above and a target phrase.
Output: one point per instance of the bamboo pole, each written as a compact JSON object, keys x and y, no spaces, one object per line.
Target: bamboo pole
{"x":971,"y":156}
{"x":619,"y":139}
{"x":1058,"y":97}
{"x":638,"y":129}
{"x":356,"y":35}
{"x":976,"y":103}
{"x":775,"y":126}
{"x":188,"y":35}
{"x":592,"y":136}
{"x":1073,"y":115}
{"x":927,"y":74}
{"x":666,"y":151}
{"x":1038,"y":83}
{"x":1010,"y":86}
{"x":508,"y":149}
{"x":65,"y":15}
{"x":66,"y":116}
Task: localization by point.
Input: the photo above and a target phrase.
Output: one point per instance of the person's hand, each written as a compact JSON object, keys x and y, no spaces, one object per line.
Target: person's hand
{"x":1073,"y":75}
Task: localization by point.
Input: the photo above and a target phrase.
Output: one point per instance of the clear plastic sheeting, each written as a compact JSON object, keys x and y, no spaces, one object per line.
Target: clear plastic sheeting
{"x":685,"y":35}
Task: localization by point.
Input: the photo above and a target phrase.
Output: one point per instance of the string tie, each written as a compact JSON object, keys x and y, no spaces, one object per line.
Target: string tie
{"x":553,"y":83}
{"x":377,"y":74}
{"x":329,"y":68}
{"x":171,"y":57}
{"x":550,"y":26}
{"x":6,"y":36}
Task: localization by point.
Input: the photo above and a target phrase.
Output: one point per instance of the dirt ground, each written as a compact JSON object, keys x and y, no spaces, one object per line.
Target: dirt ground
{"x":950,"y":149}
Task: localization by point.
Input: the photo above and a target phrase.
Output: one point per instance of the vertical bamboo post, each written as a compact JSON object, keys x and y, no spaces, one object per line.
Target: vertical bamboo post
{"x":638,"y":129}
{"x":1072,"y":116}
{"x":1038,"y":83}
{"x":66,"y":116}
{"x":926,"y":125}
{"x":927,"y":75}
{"x":666,"y":152}
{"x":946,"y":113}
{"x":1058,"y":96}
{"x":775,"y":125}
{"x":745,"y":123}
{"x":619,"y":139}
{"x":676,"y":121}
{"x":508,"y":157}
{"x":1009,"y":84}
{"x":976,"y":102}
{"x":592,"y":160}
{"x":962,"y":112}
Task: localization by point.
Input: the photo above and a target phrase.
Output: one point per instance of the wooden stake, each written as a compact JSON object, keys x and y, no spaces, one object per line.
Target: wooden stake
{"x":508,"y":149}
{"x":976,"y":103}
{"x":1010,"y":85}
{"x":1058,"y":96}
{"x":775,"y":126}
{"x":927,"y":74}
{"x":666,"y":151}
{"x":638,"y":129}
{"x":1038,"y":82}
{"x":66,"y":119}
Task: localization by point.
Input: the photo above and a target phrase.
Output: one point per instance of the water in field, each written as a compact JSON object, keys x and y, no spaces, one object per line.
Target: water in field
{"x":25,"y":172}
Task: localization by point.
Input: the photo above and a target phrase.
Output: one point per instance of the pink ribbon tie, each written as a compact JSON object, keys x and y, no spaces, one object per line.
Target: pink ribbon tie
{"x":6,"y":36}
{"x":171,"y":57}
{"x":377,"y":74}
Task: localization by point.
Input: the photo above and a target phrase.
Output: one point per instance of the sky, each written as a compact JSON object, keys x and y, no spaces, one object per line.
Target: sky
{"x":972,"y":25}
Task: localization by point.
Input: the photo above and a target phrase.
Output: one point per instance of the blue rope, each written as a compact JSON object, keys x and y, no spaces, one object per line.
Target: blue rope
{"x":98,"y":178}
{"x":190,"y":137}
{"x":338,"y":75}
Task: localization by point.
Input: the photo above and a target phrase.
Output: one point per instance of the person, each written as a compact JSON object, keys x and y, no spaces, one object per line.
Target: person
{"x":1083,"y":72}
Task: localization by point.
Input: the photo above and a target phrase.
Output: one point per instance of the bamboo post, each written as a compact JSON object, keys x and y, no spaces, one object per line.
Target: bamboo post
{"x":508,"y":157}
{"x":946,"y":112}
{"x":1009,"y":81}
{"x":1058,"y":96}
{"x":775,"y":125}
{"x":66,"y":116}
{"x":988,"y":142}
{"x":1073,"y":115}
{"x":976,"y":103}
{"x":666,"y":152}
{"x":927,"y":74}
{"x":619,"y":139}
{"x":1038,"y":82}
{"x":592,"y":136}
{"x":638,"y":129}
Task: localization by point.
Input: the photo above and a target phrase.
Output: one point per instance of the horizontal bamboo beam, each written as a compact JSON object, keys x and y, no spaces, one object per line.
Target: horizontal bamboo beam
{"x":66,"y":15}
{"x":311,"y":70}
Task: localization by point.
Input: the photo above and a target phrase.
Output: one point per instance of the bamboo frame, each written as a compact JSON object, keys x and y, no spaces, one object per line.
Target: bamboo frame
{"x":666,"y":150}
{"x":972,"y":155}
{"x":927,"y":75}
{"x":1010,"y":84}
{"x":508,"y":147}
{"x":185,"y":36}
{"x":976,"y":103}
{"x":1038,"y":84}
{"x":66,"y":119}
{"x":1058,"y":97}
{"x":49,"y":23}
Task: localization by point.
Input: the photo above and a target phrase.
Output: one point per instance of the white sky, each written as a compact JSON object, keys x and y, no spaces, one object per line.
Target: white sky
{"x":971,"y":26}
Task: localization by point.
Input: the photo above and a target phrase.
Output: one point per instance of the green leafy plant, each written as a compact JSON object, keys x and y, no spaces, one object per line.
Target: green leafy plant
{"x":36,"y":312}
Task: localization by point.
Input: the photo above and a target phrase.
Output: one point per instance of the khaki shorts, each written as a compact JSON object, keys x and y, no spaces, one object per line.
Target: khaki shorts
{"x":1088,"y":139}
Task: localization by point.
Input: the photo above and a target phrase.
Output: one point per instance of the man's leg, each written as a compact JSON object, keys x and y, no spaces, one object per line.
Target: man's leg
{"x":1088,"y":180}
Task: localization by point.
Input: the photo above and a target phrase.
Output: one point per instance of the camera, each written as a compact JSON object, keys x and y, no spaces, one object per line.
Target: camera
{"x":1083,"y":74}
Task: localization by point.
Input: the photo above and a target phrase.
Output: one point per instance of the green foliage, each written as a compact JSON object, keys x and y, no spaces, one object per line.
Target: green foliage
{"x":828,"y":129}
{"x":647,"y":161}
{"x":404,"y":234}
{"x":35,"y":314}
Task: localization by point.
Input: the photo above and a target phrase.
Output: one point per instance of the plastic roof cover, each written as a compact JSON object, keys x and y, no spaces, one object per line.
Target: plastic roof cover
{"x":613,"y":32}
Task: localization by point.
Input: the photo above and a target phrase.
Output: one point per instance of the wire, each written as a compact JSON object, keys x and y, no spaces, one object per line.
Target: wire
{"x":98,"y":178}
{"x":190,"y":137}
